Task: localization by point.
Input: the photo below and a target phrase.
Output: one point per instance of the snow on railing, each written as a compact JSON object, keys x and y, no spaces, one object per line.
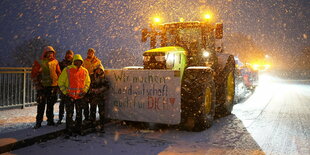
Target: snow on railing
{"x":16,"y":88}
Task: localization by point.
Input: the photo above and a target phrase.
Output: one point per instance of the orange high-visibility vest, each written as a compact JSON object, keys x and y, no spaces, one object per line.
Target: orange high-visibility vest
{"x":76,"y":79}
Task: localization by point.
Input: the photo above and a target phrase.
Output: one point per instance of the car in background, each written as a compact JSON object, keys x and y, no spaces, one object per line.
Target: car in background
{"x":246,"y":79}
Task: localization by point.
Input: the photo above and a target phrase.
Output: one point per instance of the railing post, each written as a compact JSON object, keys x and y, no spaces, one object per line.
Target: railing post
{"x":24,"y":89}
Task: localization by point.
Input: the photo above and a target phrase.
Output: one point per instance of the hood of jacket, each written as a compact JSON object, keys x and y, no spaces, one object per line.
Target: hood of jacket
{"x":99,"y":67}
{"x":77,"y":57}
{"x":48,"y":49}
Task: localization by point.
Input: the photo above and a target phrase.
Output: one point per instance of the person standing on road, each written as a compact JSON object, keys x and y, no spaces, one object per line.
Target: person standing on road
{"x":74,"y":82}
{"x":99,"y":85}
{"x":90,"y":63}
{"x":67,"y":61}
{"x":45,"y":73}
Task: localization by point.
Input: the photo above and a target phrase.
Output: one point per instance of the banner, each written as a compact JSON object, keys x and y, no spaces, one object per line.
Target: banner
{"x":144,"y":95}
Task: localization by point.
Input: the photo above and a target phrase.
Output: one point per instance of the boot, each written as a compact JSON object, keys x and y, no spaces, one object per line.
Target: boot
{"x":100,"y":128}
{"x":51,"y":123}
{"x":59,"y":122}
{"x":37,"y":126}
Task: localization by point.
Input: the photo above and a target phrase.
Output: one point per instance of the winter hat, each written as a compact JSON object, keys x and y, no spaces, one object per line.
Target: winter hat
{"x":49,"y":48}
{"x":69,"y":52}
{"x":91,"y":49}
{"x":99,"y":67}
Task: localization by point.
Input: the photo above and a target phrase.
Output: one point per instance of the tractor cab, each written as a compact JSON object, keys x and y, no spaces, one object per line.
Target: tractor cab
{"x":197,"y":38}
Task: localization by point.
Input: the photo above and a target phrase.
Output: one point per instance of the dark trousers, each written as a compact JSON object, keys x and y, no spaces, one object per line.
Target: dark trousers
{"x":86,"y":110}
{"x":46,"y":96}
{"x":62,"y":107}
{"x":96,"y":101}
{"x":70,"y":104}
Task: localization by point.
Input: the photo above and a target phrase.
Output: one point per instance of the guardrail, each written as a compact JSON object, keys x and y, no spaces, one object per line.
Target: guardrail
{"x":16,"y":88}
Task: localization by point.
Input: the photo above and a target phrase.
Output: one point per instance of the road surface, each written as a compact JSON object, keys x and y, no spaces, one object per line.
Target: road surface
{"x":275,"y":119}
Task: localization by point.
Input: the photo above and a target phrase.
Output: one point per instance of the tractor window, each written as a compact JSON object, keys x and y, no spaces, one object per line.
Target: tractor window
{"x":183,"y":37}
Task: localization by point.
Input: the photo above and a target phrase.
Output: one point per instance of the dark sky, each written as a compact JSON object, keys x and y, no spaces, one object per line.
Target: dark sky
{"x":112,"y":27}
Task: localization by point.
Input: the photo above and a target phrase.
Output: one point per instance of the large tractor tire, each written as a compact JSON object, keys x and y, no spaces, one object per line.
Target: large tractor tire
{"x":198,"y":99}
{"x":226,"y":90}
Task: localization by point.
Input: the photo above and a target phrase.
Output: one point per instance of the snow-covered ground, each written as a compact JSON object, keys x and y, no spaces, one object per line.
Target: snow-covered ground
{"x":274,"y":120}
{"x":226,"y":136}
{"x":17,"y":119}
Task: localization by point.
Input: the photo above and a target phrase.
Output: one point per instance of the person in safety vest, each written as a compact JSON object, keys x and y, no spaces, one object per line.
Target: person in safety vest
{"x":90,"y":63}
{"x":64,"y":63}
{"x":74,"y":82}
{"x":44,"y":74}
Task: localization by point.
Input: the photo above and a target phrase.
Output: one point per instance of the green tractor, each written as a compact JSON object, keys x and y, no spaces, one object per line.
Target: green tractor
{"x":207,"y":75}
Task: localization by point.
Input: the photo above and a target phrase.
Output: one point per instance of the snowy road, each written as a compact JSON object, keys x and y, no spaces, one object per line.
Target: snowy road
{"x":274,"y":120}
{"x":277,"y":116}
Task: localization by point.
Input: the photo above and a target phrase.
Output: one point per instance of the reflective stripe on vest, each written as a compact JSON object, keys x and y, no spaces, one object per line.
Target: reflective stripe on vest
{"x":76,"y":78}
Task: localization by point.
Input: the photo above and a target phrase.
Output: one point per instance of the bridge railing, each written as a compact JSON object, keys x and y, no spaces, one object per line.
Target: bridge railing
{"x":16,"y":88}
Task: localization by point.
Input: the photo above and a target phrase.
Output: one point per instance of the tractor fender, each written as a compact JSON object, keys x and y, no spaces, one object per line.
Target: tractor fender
{"x":225,"y":95}
{"x":224,"y":59}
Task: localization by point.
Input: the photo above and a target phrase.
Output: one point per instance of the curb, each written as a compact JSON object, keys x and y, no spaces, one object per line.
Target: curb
{"x":26,"y":137}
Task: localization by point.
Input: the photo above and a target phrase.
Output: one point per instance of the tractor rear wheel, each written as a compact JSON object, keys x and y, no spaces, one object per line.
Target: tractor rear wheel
{"x":205,"y":116}
{"x":198,"y":99}
{"x":226,"y":93}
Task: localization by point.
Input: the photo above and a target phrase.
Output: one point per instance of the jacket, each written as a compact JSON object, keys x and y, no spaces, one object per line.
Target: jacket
{"x":74,"y":81}
{"x":64,"y":63}
{"x":99,"y":85}
{"x":91,"y":64}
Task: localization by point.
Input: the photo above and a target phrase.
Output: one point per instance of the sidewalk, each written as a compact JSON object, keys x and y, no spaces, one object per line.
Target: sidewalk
{"x":16,"y":128}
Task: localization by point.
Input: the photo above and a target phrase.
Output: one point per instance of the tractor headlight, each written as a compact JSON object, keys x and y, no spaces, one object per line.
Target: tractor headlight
{"x":206,"y":54}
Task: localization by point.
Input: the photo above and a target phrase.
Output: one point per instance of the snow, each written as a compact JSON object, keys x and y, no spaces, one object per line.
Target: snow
{"x":226,"y":136}
{"x":120,"y":139}
{"x":273,"y":120}
{"x":17,"y":119}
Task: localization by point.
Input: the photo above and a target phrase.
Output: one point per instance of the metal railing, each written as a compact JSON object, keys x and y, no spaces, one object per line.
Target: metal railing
{"x":16,"y":88}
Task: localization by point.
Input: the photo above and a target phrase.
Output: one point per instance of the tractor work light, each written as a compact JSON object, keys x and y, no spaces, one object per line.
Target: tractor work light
{"x":208,"y":16}
{"x":206,"y":54}
{"x":156,"y":20}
